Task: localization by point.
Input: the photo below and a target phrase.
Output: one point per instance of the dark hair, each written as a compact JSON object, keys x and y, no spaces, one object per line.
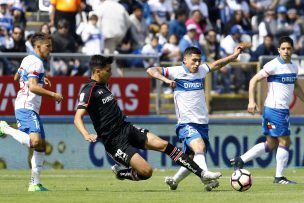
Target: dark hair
{"x":39,"y":36}
{"x":99,"y":61}
{"x":192,"y":50}
{"x":285,"y":39}
{"x":63,"y":23}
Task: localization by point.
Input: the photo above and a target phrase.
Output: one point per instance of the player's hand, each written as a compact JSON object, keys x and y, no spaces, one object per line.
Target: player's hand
{"x":90,"y":138}
{"x":47,"y":82}
{"x":241,"y":47}
{"x":252,"y":108}
{"x":171,"y":83}
{"x":58,"y":97}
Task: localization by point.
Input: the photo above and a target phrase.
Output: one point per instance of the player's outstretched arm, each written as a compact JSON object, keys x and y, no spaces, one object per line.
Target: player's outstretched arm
{"x":155,"y":72}
{"x":252,"y":106}
{"x":299,"y":91}
{"x":78,"y":122}
{"x":37,"y":89}
{"x":224,"y":61}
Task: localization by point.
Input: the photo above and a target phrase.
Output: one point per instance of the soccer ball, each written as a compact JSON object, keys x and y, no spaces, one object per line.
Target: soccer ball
{"x":241,"y":180}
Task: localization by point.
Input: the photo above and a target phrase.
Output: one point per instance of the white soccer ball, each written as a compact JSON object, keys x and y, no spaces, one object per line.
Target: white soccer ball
{"x":241,"y":180}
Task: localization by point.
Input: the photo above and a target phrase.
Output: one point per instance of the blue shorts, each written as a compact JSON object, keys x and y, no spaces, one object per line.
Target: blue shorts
{"x":275,"y":122}
{"x":28,"y":121}
{"x":187,"y":132}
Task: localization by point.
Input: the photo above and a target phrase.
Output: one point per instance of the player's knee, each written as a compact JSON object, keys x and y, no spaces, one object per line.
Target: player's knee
{"x":145,"y":173}
{"x":35,"y":143}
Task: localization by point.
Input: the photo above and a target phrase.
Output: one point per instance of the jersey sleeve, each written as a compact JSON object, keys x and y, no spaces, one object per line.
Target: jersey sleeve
{"x":269,"y":68}
{"x":170,"y":72}
{"x":35,"y":69}
{"x":205,"y":69}
{"x":84,"y":98}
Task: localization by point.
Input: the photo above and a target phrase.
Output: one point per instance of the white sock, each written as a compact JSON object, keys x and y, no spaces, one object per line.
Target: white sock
{"x":200,"y":160}
{"x":181,"y":174}
{"x":254,"y":152}
{"x":37,"y":164}
{"x":282,"y":159}
{"x":18,"y":135}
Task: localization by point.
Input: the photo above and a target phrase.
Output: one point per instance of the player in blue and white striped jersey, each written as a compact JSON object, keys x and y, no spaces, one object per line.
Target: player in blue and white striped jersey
{"x":281,"y":74}
{"x":187,"y":81}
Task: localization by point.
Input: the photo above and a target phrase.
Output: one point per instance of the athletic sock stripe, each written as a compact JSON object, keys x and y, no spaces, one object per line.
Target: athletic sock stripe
{"x":177,"y":157}
{"x":173,"y":151}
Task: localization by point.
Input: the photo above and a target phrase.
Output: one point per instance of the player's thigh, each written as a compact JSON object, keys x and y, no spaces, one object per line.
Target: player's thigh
{"x":197,"y":145}
{"x":272,"y":142}
{"x":284,"y":141}
{"x":139,"y":164}
{"x":155,"y":143}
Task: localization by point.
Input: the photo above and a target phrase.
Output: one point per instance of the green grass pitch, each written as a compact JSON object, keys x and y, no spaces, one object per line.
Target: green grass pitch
{"x":100,"y":186}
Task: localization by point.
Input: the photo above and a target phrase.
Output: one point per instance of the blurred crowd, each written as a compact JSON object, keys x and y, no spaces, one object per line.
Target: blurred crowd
{"x":156,"y":27}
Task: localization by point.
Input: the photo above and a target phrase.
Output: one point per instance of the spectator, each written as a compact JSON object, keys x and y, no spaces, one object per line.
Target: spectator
{"x":238,"y":18}
{"x":139,"y":28}
{"x":114,"y":22}
{"x":199,"y":22}
{"x":259,"y":7}
{"x":63,"y":42}
{"x":45,"y":28}
{"x":198,"y":5}
{"x":162,"y":10}
{"x":65,"y":9}
{"x":177,"y":26}
{"x":18,"y":41}
{"x":147,"y":14}
{"x":6,"y":19}
{"x":152,"y":48}
{"x":170,"y":50}
{"x":283,"y":27}
{"x":129,"y":4}
{"x":227,"y":48}
{"x":211,"y":47}
{"x":294,"y":22}
{"x":18,"y":13}
{"x":163,"y":34}
{"x":92,"y":37}
{"x":268,"y":26}
{"x":189,"y":40}
{"x":266,"y":48}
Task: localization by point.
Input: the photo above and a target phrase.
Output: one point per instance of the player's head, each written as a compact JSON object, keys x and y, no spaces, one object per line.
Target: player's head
{"x":192,"y":59}
{"x":101,"y":67}
{"x":285,"y":48}
{"x":42,"y":44}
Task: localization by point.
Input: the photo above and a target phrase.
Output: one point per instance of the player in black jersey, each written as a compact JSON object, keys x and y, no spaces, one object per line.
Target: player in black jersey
{"x":120,"y":138}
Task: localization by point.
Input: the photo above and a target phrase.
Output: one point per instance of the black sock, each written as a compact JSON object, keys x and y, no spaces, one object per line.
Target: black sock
{"x":130,"y":174}
{"x":182,"y":159}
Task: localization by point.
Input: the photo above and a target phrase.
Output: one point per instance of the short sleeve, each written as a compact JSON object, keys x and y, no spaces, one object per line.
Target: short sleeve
{"x":84,"y":98}
{"x":35,"y":70}
{"x":269,"y":68}
{"x":170,"y":72}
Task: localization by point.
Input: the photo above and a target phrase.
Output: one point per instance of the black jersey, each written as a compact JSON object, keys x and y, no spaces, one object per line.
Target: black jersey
{"x":102,"y":107}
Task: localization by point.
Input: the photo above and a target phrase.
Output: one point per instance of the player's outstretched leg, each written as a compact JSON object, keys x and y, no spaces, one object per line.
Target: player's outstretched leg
{"x":18,"y":135}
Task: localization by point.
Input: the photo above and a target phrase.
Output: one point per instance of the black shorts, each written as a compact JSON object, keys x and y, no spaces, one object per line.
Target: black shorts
{"x":125,"y":142}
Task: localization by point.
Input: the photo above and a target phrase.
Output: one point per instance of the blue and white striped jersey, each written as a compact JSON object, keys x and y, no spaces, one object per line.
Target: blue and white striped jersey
{"x":281,"y":78}
{"x":189,"y":97}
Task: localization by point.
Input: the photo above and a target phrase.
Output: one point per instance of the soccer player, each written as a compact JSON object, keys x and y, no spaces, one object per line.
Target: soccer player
{"x":187,"y":81}
{"x":281,"y":74}
{"x":120,"y":138}
{"x":27,"y":105}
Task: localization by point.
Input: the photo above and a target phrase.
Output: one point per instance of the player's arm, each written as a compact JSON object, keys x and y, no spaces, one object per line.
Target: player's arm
{"x":156,"y":72}
{"x":298,"y":91}
{"x":78,"y":122}
{"x":252,"y":106}
{"x":224,"y":61}
{"x":17,"y":76}
{"x":37,"y":89}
